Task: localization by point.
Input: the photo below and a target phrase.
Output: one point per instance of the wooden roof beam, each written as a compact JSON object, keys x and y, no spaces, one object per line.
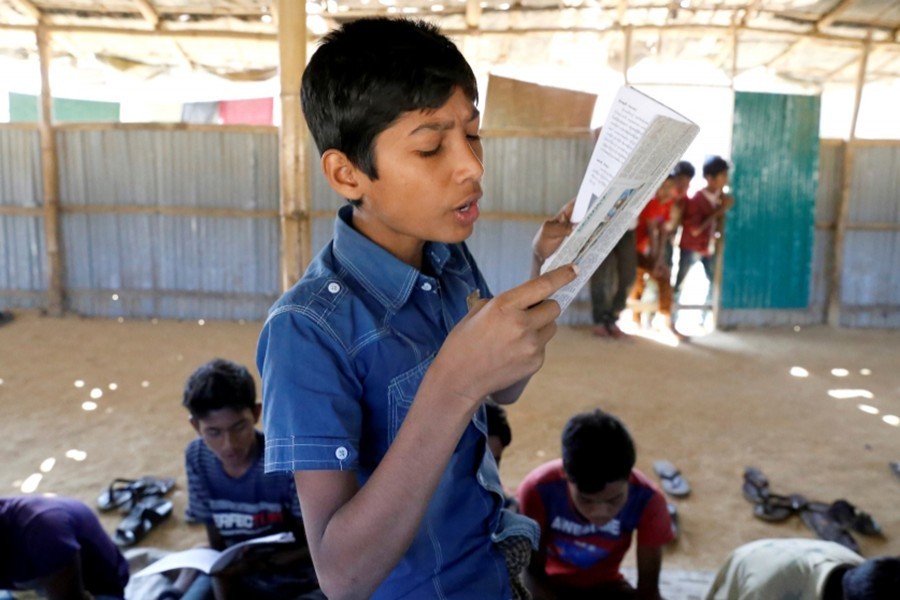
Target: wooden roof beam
{"x":784,"y":53}
{"x":751,"y":8}
{"x":832,"y":15}
{"x":473,"y":14}
{"x":28,"y":8}
{"x":620,"y":12}
{"x":148,"y":12}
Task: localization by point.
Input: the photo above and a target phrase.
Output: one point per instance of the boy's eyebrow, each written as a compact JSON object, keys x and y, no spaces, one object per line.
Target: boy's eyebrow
{"x":444,"y":125}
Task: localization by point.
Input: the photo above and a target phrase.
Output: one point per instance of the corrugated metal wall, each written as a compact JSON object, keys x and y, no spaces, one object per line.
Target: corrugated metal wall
{"x":137,"y":236}
{"x":23,"y":256}
{"x":183,"y":224}
{"x":870,"y":289}
{"x":138,"y":240}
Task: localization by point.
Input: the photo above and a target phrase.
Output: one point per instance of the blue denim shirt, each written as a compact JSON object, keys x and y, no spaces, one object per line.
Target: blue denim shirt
{"x":341,"y":356}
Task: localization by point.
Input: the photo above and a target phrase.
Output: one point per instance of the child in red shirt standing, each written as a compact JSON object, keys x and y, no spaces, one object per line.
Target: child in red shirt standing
{"x":700,"y":221}
{"x":652,"y":237}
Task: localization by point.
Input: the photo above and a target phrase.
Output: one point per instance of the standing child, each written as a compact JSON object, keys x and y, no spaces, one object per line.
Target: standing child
{"x":700,"y":218}
{"x":652,"y":243}
{"x":374,"y":368}
{"x":589,"y":504}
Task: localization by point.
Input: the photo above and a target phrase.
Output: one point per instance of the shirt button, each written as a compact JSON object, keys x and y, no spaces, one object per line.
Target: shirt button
{"x":334,"y":288}
{"x":426,"y":286}
{"x":341,"y":453}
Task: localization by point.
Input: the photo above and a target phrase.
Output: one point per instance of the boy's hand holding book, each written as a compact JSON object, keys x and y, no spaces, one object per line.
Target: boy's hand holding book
{"x":501,"y":341}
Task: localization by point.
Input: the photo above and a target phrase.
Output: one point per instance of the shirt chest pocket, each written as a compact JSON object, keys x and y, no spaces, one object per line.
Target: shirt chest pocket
{"x":401,"y":393}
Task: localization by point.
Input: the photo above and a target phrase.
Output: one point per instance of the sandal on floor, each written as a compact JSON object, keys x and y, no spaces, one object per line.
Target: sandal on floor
{"x":851,"y":517}
{"x":671,"y":479}
{"x":145,"y":515}
{"x":773,"y":508}
{"x":826,"y":528}
{"x":756,"y":485}
{"x":125,"y":493}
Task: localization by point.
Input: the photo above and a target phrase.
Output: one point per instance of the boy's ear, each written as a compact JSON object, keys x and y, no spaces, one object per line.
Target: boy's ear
{"x":195,"y":424}
{"x":342,"y":175}
{"x":257,"y":411}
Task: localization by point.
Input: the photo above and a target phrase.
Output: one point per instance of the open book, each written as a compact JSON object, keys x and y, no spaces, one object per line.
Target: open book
{"x":212,"y":561}
{"x":638,"y":146}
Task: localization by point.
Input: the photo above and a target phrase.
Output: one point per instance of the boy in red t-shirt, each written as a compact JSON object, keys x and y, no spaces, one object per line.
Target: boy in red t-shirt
{"x":652,"y":243}
{"x":700,"y":218}
{"x":588,"y":505}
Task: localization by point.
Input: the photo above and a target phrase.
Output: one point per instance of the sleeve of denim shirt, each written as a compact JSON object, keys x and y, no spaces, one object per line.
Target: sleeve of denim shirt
{"x":312,"y":414}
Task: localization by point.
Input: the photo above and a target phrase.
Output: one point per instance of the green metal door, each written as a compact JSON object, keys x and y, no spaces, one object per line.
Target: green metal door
{"x":769,"y":230}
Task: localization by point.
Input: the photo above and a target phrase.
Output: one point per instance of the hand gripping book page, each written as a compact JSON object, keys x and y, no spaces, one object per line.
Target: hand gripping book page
{"x":638,"y":145}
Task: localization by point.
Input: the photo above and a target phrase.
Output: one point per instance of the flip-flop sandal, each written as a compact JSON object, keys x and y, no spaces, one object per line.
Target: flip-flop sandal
{"x":756,"y":485}
{"x":773,"y":508}
{"x":145,"y":515}
{"x":850,"y":517}
{"x":671,"y":479}
{"x":125,"y":493}
{"x":828,"y":529}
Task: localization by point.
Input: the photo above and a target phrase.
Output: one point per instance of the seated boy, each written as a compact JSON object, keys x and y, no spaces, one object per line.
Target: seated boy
{"x":57,"y":546}
{"x":589,"y":504}
{"x":809,"y":569}
{"x":374,"y":366}
{"x":228,"y":490}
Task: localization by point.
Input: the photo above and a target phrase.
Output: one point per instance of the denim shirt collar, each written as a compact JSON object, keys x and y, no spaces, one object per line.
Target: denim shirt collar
{"x":386,"y":277}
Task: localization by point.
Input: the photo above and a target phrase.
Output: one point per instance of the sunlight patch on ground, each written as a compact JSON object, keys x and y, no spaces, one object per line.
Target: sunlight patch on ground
{"x":113,"y":386}
{"x":79,"y":383}
{"x":31,"y":483}
{"x":76,"y":455}
{"x":88,"y":405}
{"x":840,"y":372}
{"x":867,"y":408}
{"x":48,"y":465}
{"x":799,"y":372}
{"x":865,"y":371}
{"x":96,"y":393}
{"x":660,"y":336}
{"x":891,"y":420}
{"x":846,"y":394}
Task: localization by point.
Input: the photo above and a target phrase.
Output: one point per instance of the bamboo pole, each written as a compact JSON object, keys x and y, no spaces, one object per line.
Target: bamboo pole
{"x":626,"y":55}
{"x":718,"y":268}
{"x":296,"y":228}
{"x":833,"y":308}
{"x":50,"y":180}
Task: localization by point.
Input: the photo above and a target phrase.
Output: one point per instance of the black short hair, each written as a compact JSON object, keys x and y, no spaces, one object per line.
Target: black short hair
{"x":216,"y":385}
{"x":714,"y":165}
{"x":369,"y":72}
{"x":596,"y":450}
{"x":875,"y":579}
{"x":497,"y":423}
{"x":683,"y":168}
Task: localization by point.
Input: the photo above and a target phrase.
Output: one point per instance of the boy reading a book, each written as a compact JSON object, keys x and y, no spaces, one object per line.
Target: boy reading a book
{"x":589,"y":505}
{"x":374,"y":368}
{"x":228,"y":489}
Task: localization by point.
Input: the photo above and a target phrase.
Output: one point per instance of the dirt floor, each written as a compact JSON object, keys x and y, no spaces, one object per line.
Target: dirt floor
{"x":712,"y":407}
